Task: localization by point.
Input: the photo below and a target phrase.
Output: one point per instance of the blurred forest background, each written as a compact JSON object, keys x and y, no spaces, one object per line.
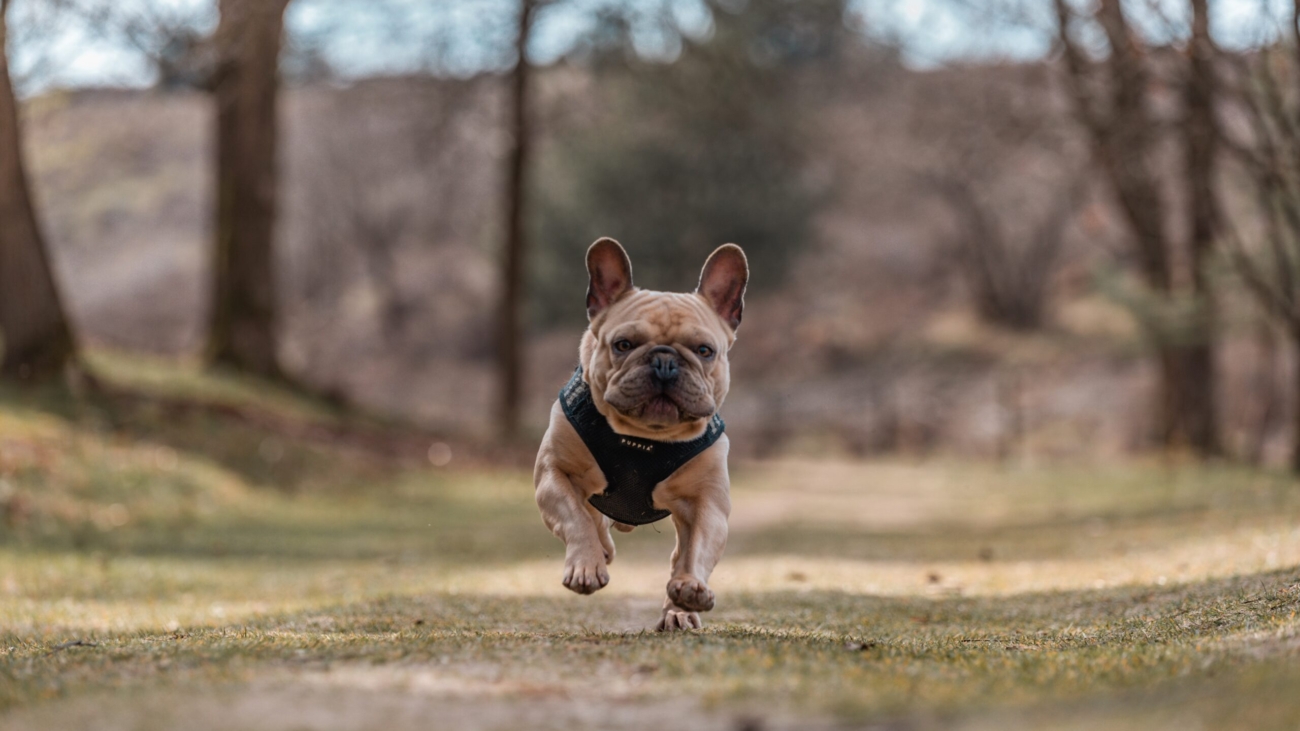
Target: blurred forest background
{"x":1080,"y":248}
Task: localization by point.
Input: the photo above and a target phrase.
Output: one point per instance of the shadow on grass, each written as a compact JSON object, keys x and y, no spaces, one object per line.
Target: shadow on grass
{"x":437,"y":525}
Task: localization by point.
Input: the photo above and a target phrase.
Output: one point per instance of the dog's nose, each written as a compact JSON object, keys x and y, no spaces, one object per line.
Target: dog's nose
{"x":663,"y":364}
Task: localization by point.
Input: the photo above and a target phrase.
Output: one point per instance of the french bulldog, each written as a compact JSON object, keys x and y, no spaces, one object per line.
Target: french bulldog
{"x":642,"y":407}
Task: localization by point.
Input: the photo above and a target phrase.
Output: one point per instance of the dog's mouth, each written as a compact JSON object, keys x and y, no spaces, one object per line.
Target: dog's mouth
{"x":658,"y":407}
{"x":661,"y":409}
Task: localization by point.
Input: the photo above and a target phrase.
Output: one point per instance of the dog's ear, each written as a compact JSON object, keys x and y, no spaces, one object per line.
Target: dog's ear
{"x":611,"y":275}
{"x":723,"y":282}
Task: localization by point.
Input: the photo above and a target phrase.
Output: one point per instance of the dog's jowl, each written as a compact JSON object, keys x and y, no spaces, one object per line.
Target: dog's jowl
{"x":635,"y":436}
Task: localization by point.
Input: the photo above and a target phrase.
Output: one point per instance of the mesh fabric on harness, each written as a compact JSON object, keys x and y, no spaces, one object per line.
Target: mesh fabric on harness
{"x":632,"y":466}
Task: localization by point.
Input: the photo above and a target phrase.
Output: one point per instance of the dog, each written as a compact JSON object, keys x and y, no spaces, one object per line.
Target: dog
{"x":635,"y":436}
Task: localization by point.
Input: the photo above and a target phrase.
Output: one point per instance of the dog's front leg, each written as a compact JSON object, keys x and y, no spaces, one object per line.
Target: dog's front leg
{"x":569,"y":517}
{"x":701,"y":523}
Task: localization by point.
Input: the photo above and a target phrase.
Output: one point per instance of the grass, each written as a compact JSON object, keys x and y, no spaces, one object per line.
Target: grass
{"x":157,"y":562}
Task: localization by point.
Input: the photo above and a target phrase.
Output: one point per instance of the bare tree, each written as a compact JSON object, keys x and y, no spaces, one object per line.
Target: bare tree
{"x":1112,"y":101}
{"x":1009,"y":280}
{"x":1011,"y":174}
{"x":385,"y":193}
{"x":360,"y":214}
{"x":37,"y":340}
{"x":29,"y":32}
{"x":169,"y":36}
{"x":243,"y":307}
{"x":1265,"y":250}
{"x":510,"y":345}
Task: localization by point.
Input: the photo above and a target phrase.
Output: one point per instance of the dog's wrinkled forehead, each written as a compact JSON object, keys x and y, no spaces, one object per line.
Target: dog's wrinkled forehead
{"x":664,"y":317}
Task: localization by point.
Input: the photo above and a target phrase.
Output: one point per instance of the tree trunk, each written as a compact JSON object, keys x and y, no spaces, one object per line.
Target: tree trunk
{"x":1295,"y":403}
{"x":37,"y":341}
{"x":1125,"y":145}
{"x":243,"y":310}
{"x":1168,"y":395}
{"x":1200,"y":150}
{"x":1264,"y":393}
{"x":1122,"y":131}
{"x":510,"y":345}
{"x":1192,"y":417}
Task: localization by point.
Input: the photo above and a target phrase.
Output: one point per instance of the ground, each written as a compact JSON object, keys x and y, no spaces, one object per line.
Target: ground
{"x":182,"y":549}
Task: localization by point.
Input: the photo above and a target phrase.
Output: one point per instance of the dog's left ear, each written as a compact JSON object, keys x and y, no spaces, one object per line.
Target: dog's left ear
{"x":723,"y":280}
{"x":610,"y":273}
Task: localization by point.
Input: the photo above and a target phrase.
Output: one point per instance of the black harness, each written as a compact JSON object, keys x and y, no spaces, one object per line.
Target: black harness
{"x":632,"y":466}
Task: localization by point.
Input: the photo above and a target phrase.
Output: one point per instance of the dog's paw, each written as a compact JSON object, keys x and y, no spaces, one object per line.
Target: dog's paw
{"x":585,"y":575}
{"x":676,"y":618}
{"x":690,"y":593}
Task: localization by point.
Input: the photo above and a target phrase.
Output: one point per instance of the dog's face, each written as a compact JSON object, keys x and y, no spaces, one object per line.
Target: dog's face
{"x":657,"y":361}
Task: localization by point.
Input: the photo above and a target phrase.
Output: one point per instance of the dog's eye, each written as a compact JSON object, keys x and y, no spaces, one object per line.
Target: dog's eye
{"x":622,"y":346}
{"x":705,"y":351}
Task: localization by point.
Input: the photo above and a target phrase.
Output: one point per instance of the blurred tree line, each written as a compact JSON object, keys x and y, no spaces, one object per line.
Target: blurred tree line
{"x":709,"y":142}
{"x":701,"y":150}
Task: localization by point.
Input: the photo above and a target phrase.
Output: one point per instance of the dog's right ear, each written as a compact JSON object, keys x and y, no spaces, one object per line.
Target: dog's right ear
{"x":611,"y":275}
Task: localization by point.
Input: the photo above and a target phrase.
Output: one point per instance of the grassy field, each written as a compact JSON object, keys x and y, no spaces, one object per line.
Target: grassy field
{"x":199,"y":552}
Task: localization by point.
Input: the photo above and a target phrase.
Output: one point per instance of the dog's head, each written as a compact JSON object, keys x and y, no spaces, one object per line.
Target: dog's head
{"x":657,"y":361}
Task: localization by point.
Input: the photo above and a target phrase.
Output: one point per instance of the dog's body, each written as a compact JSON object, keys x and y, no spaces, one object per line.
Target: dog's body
{"x":656,"y":364}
